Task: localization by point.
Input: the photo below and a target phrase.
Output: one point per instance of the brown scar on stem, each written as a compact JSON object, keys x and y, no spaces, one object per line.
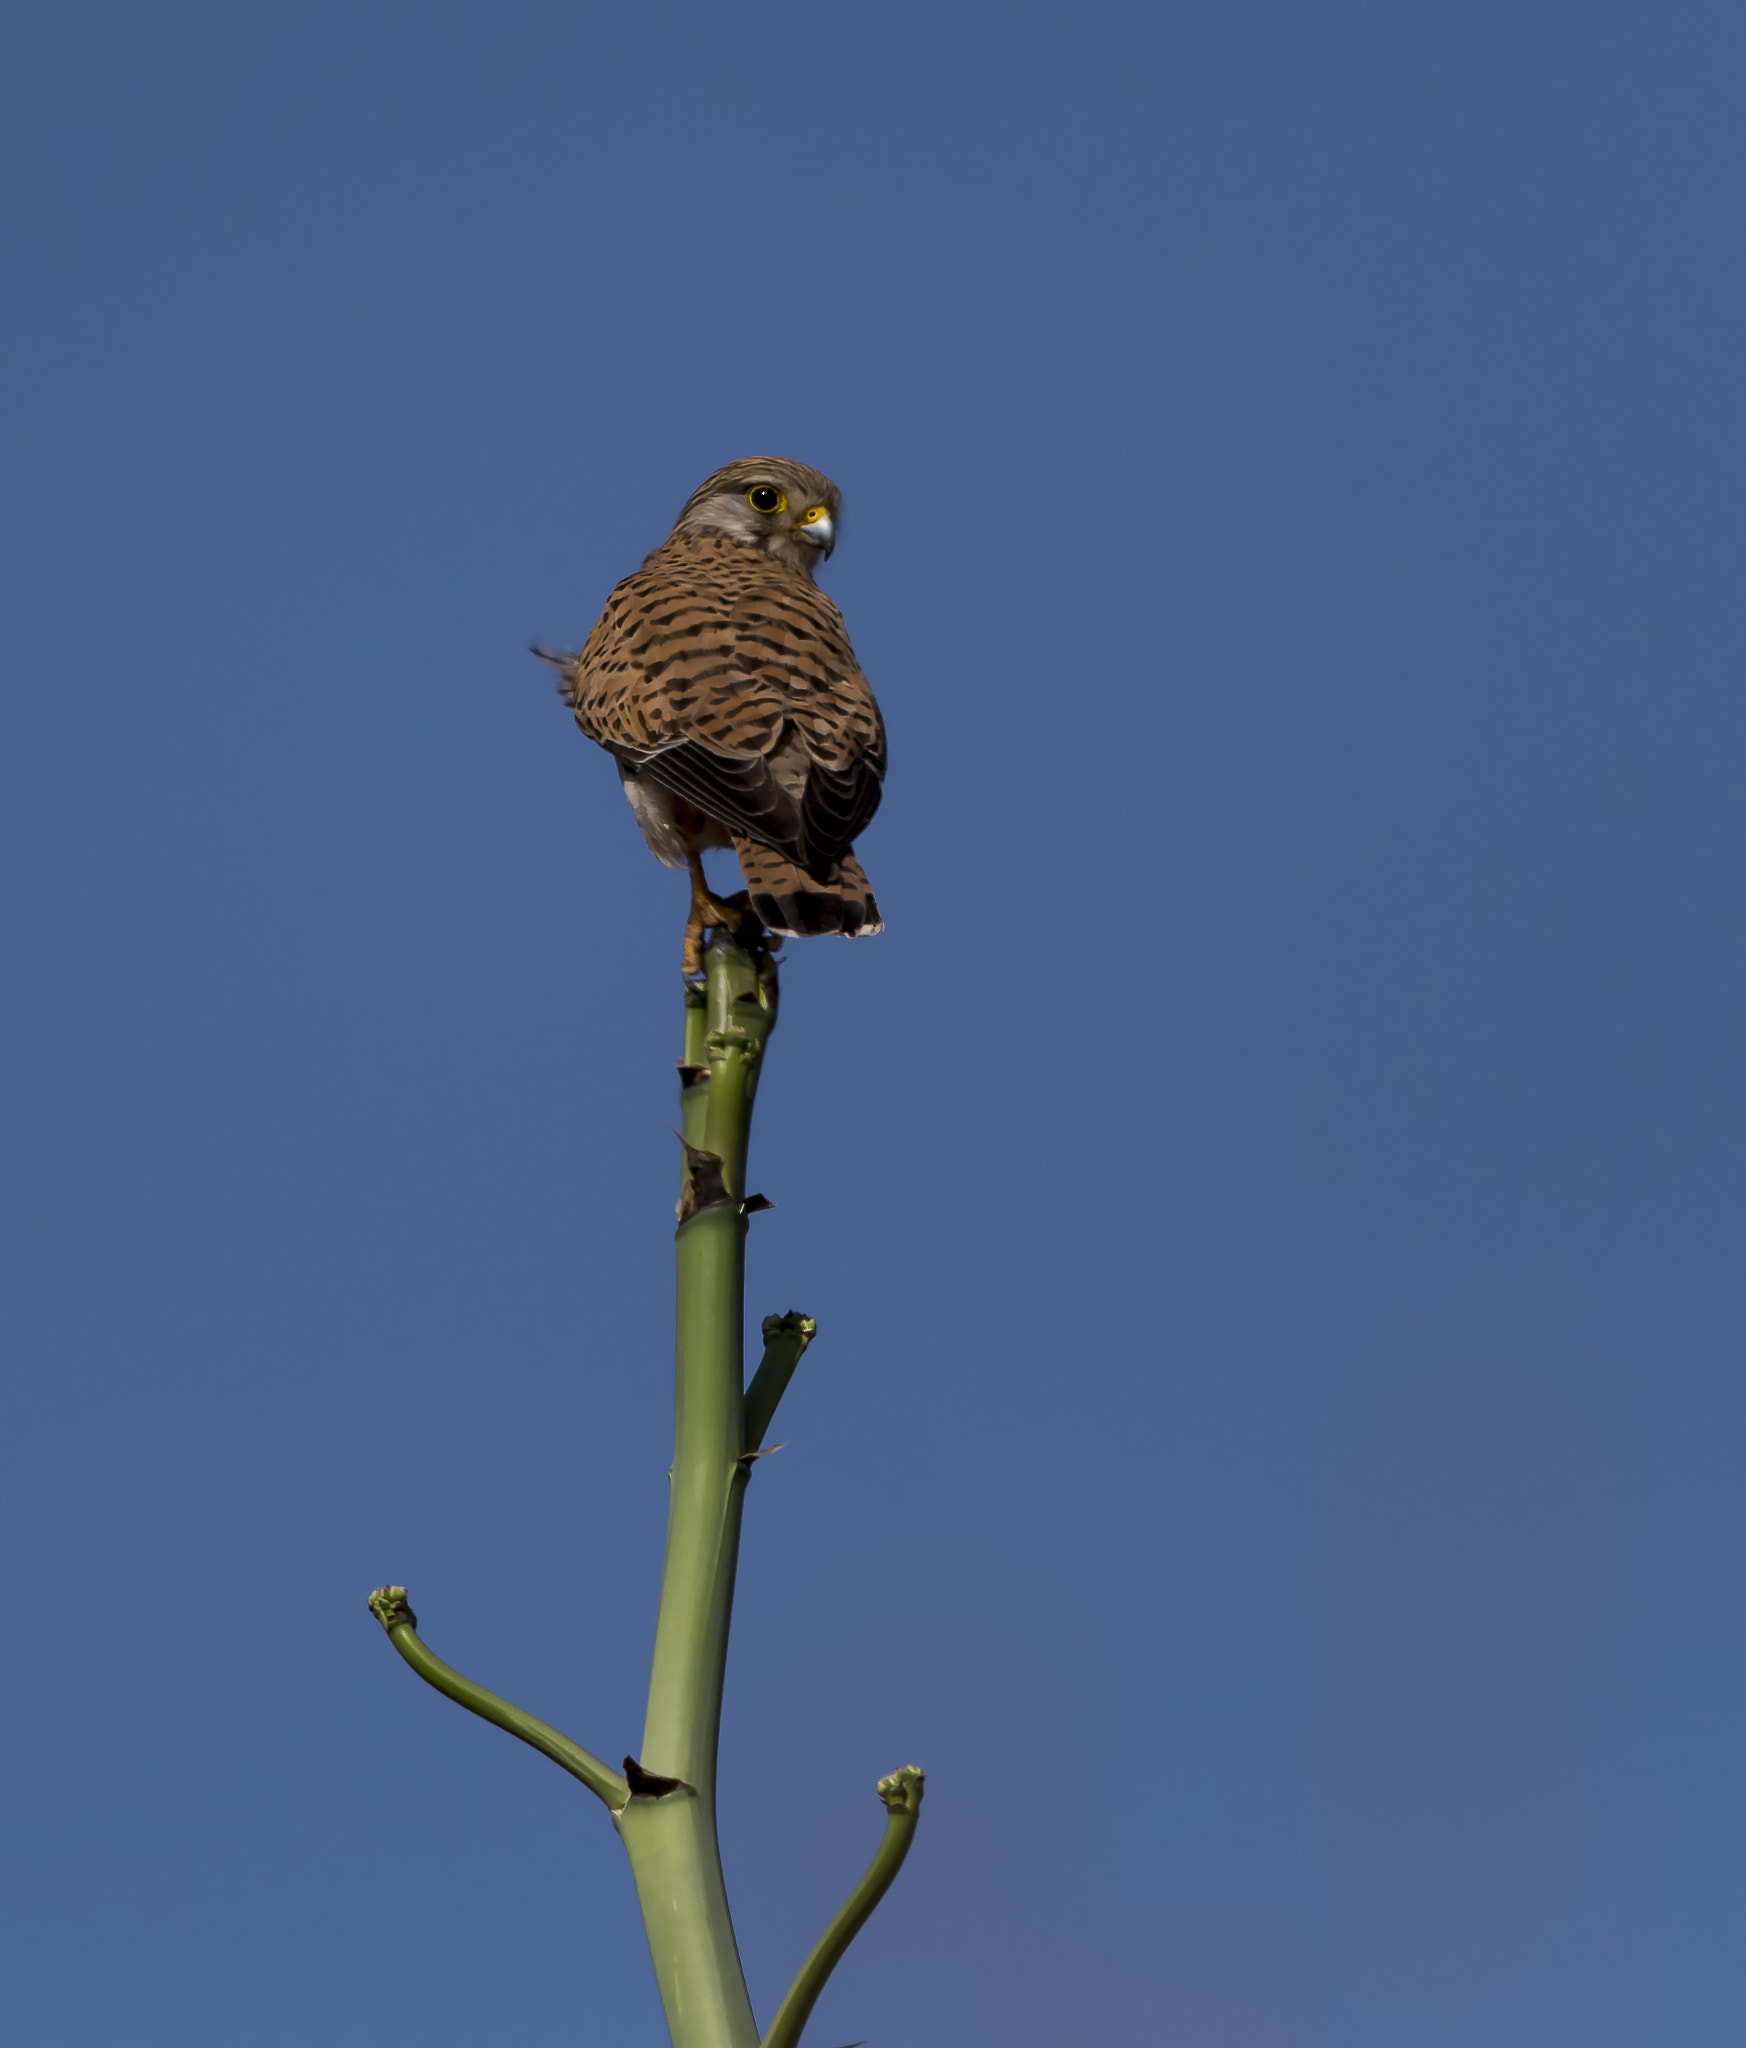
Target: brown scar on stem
{"x":650,"y":1784}
{"x":748,"y":1458}
{"x":704,"y":1186}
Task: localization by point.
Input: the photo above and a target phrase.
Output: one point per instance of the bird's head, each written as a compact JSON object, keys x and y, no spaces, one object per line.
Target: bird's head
{"x":783,"y":509}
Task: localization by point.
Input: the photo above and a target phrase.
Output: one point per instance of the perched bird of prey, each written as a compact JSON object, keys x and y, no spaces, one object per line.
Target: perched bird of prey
{"x":722,"y":682}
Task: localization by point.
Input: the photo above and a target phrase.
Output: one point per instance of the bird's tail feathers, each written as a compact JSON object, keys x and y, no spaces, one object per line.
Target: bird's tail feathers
{"x":839,"y":899}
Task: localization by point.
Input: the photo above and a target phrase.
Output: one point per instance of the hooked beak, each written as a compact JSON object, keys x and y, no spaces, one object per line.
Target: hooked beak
{"x":817,"y":529}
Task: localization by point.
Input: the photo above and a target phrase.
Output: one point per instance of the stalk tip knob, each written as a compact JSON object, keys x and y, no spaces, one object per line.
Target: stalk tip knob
{"x":389,"y":1605}
{"x":902,"y":1791}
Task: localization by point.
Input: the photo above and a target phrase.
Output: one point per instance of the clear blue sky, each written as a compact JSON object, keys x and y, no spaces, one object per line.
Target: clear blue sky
{"x":1272,"y":1199}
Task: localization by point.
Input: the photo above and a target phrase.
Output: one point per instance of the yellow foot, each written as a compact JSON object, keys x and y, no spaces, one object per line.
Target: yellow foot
{"x":691,"y":957}
{"x":706,"y":910}
{"x":734,"y":914}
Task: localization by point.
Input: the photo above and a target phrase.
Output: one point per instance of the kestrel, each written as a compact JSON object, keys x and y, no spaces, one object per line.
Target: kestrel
{"x":722,"y":682}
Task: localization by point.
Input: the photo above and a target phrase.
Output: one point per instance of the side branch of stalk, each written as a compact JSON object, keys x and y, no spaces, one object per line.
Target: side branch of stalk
{"x":389,"y":1605}
{"x":785,"y":1341}
{"x":902,"y":1795}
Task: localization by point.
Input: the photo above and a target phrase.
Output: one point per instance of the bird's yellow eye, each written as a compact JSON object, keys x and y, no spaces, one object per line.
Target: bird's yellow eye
{"x":767,"y":498}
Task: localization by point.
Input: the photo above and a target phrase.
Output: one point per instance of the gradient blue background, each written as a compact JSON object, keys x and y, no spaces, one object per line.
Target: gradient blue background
{"x":1272,"y":1199}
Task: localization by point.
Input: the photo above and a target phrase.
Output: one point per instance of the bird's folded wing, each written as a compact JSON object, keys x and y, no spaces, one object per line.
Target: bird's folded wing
{"x":660,"y":665}
{"x":696,"y":682}
{"x":790,"y":637}
{"x":836,"y":806}
{"x":739,"y":790}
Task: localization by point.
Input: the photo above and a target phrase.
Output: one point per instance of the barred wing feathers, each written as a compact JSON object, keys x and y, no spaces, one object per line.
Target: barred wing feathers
{"x":733,"y":684}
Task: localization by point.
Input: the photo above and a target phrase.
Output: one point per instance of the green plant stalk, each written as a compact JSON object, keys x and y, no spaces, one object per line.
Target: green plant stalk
{"x":674,"y":1854}
{"x":668,"y":1825}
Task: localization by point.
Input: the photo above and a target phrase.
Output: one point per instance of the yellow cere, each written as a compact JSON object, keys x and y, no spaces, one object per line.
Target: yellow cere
{"x":812,"y":513}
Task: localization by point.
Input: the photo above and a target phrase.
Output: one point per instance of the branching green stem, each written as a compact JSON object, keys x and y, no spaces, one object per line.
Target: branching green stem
{"x":902,"y":1794}
{"x":668,"y":1826}
{"x":388,"y":1604}
{"x":785,"y":1341}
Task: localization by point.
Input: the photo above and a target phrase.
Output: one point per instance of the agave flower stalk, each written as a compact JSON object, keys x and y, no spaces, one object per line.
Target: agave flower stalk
{"x":663,"y":1802}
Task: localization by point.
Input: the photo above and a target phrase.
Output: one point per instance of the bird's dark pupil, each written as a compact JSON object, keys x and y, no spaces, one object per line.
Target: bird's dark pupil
{"x":764,"y":498}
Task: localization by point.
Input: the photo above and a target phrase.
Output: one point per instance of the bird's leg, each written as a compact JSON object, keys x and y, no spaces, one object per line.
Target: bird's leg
{"x":706,"y":909}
